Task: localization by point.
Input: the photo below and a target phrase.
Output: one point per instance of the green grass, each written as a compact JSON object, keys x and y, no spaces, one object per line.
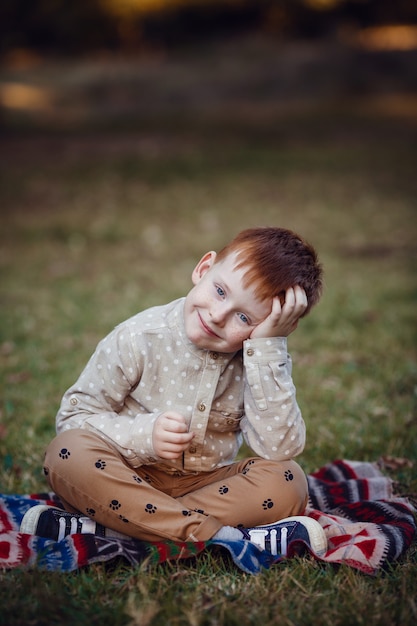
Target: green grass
{"x":98,"y":224}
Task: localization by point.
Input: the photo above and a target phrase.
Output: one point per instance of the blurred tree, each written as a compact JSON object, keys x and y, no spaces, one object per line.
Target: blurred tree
{"x":55,"y":25}
{"x":77,"y":26}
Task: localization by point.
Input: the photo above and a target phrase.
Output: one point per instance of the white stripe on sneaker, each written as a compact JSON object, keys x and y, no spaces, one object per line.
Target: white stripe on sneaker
{"x":62,"y":527}
{"x":273,"y":540}
{"x":257,"y":535}
{"x":284,"y":543}
{"x":88,"y":526}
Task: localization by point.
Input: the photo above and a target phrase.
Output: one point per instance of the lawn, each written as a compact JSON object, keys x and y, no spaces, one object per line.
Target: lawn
{"x":105,"y":209}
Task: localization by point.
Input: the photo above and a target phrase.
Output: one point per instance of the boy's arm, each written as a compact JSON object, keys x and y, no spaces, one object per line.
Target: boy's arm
{"x":99,"y":400}
{"x":272,"y":425}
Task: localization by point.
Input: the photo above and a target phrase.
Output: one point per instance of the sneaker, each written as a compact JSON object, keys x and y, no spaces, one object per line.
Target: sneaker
{"x":277,"y":537}
{"x":47,"y":521}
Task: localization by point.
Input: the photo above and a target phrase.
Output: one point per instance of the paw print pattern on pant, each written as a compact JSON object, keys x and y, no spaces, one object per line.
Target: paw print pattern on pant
{"x":123,"y":519}
{"x":247,"y":467}
{"x":64,"y":453}
{"x":115,"y":505}
{"x":150,"y":508}
{"x":288,"y":475}
{"x":267,"y":504}
{"x":223,"y":489}
{"x":137,"y":479}
{"x":90,"y":512}
{"x":186,"y":513}
{"x":100,"y":464}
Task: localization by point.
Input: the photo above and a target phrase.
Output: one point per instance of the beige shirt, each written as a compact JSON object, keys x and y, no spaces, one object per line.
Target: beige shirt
{"x":147,"y":366}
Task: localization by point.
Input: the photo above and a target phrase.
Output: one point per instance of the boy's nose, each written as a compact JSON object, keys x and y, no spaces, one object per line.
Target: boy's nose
{"x":218,"y":314}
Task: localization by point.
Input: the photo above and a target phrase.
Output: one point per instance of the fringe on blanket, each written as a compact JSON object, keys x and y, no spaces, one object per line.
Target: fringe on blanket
{"x":367,"y":528}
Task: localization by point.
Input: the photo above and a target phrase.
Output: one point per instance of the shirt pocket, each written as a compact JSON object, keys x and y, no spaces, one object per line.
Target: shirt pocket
{"x":224,"y":421}
{"x":253,"y":378}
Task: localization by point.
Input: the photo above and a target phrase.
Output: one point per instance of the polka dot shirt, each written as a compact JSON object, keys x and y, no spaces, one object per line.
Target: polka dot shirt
{"x":147,"y":366}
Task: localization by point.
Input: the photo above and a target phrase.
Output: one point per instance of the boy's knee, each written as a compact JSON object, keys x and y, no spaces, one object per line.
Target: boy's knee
{"x":62,"y":447}
{"x":73,"y":462}
{"x":69,"y":453}
{"x":285,"y":484}
{"x":295,"y":477}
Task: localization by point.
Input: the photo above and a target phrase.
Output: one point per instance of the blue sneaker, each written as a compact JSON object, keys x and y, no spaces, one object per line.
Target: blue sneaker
{"x":52,"y":523}
{"x":277,"y":537}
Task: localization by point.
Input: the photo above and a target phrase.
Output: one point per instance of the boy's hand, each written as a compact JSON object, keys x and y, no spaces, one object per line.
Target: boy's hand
{"x":170,"y":436}
{"x":283,"y":320}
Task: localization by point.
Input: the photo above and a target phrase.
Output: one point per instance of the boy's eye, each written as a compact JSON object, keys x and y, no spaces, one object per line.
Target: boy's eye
{"x":220,"y":291}
{"x":243,"y":318}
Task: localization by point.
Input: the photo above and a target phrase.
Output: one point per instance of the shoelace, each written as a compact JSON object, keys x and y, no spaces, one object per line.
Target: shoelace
{"x":75,"y":525}
{"x":259,"y":535}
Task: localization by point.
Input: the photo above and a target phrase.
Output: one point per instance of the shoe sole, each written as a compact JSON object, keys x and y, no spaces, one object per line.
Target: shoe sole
{"x":31,"y":518}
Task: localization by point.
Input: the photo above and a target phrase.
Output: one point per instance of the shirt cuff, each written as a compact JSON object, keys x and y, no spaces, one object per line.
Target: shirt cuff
{"x":265,"y":350}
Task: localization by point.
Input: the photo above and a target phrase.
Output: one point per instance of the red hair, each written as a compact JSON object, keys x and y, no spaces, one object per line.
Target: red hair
{"x":276,"y":259}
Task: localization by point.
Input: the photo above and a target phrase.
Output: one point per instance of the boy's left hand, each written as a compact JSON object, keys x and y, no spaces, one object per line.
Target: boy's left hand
{"x":283,"y":320}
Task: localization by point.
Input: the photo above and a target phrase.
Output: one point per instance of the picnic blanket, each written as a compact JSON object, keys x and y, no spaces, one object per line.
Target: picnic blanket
{"x":367,"y":528}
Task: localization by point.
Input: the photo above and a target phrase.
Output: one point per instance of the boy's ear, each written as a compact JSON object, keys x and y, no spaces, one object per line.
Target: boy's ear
{"x":204,"y":264}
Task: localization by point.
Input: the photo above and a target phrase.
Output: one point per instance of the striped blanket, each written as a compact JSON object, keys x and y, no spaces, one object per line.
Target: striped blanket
{"x":367,"y":528}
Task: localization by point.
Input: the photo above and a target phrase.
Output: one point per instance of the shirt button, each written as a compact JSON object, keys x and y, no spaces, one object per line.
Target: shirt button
{"x":192,"y":450}
{"x":202,"y":407}
{"x":73,"y":401}
{"x":250,"y":351}
{"x":230,"y":422}
{"x":214,"y":356}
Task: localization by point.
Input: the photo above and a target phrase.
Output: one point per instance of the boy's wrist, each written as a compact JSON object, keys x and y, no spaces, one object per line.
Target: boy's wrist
{"x":266,"y":347}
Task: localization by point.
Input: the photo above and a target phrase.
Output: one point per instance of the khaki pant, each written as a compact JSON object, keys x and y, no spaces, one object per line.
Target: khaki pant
{"x":91,"y":477}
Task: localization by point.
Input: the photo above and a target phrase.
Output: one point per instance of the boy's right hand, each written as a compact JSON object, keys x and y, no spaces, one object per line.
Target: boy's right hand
{"x":283,"y":319}
{"x":170,"y":436}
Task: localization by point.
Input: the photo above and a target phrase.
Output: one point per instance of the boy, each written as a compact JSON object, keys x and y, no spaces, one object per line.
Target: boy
{"x":148,"y":435}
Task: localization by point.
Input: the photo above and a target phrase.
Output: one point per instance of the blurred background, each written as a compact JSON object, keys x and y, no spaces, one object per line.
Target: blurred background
{"x":117,"y":62}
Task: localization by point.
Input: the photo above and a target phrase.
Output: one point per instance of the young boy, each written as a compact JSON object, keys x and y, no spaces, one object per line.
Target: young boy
{"x":148,"y":435}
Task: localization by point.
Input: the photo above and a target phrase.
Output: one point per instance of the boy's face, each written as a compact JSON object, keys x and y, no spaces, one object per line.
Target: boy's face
{"x":220,"y":313}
